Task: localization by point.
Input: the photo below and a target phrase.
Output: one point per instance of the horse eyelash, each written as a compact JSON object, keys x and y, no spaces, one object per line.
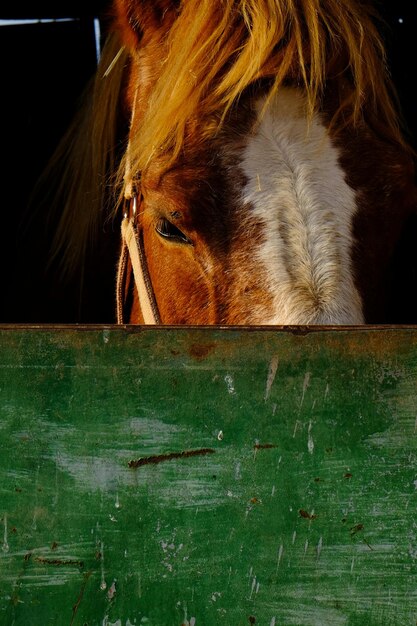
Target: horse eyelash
{"x":177,"y":234}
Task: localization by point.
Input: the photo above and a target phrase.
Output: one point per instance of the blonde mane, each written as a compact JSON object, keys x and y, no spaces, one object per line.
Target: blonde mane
{"x":217,"y":49}
{"x":82,"y":170}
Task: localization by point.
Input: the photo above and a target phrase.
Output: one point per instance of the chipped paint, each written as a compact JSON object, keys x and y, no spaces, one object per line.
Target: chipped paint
{"x":5,"y":547}
{"x":107,"y":622}
{"x":297,"y":425}
{"x":319,"y":547}
{"x":103,"y":584}
{"x":306,"y":384}
{"x":280,"y":553}
{"x":228,"y":379}
{"x":310,"y":442}
{"x":254,"y":588}
{"x":112,"y":590}
{"x":337,"y":506}
{"x":272,"y":372}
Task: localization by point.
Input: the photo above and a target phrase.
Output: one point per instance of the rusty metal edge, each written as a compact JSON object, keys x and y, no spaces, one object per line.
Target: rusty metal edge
{"x":130,"y":328}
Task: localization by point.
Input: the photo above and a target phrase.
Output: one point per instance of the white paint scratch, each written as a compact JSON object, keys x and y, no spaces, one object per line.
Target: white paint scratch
{"x":253,"y":588}
{"x":326,"y":392}
{"x":294,"y":537}
{"x":35,"y":513}
{"x":296,"y":427}
{"x":310,"y":443}
{"x":306,"y":384}
{"x":107,"y":623}
{"x":5,"y":546}
{"x":220,"y":435}
{"x":280,"y":553}
{"x":305,"y":547}
{"x":103,"y":584}
{"x":273,"y":491}
{"x":273,"y":622}
{"x":117,"y":504}
{"x":228,"y":379}
{"x":272,"y":372}
{"x":56,"y":494}
{"x":319,"y":547}
{"x":352,"y":565}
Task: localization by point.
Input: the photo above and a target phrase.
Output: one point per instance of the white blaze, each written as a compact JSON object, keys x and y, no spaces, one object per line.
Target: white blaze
{"x":297,"y":189}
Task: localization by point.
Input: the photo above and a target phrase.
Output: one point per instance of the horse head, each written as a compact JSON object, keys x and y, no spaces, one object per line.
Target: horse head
{"x":267,"y":173}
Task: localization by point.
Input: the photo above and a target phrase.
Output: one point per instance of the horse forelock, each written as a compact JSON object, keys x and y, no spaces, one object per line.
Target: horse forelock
{"x":209,"y":53}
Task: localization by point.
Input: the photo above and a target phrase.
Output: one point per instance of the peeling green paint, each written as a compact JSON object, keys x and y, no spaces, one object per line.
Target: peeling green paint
{"x":196,"y":477}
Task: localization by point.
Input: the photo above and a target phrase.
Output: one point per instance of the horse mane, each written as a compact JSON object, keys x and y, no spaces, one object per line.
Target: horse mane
{"x":216,"y":50}
{"x":79,"y":175}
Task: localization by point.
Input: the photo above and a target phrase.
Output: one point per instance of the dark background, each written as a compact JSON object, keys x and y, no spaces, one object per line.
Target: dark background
{"x":44,"y":68}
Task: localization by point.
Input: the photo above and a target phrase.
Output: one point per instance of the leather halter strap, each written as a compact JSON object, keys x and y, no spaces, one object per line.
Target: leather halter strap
{"x":132,"y":255}
{"x":132,"y":250}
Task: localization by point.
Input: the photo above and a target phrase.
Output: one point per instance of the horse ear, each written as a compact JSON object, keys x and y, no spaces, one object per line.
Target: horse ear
{"x":136,"y":18}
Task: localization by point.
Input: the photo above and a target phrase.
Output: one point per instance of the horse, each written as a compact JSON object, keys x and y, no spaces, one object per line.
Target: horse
{"x":255,"y":151}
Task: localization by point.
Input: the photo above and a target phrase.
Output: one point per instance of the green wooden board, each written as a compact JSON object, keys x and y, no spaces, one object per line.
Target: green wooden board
{"x":197,"y":477}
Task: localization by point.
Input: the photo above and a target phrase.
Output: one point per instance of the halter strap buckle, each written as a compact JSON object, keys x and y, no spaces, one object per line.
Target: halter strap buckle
{"x":130,"y":206}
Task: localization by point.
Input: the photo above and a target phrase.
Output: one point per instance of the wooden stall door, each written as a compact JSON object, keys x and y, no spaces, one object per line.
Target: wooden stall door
{"x":204,"y":477}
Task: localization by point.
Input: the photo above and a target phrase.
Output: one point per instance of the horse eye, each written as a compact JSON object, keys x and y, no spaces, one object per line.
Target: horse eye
{"x":168,"y":230}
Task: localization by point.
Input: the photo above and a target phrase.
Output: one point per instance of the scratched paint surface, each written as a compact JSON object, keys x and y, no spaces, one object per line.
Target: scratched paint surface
{"x":203,"y":477}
